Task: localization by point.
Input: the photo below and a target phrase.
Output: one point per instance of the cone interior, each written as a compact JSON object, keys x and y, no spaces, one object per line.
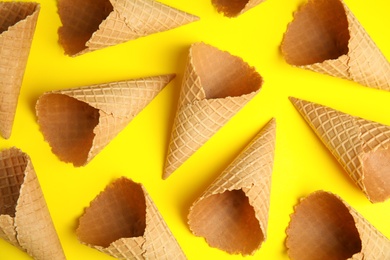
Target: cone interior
{"x":12,"y":168}
{"x":230,"y":8}
{"x":227,"y":221}
{"x":118,"y":212}
{"x":11,"y":13}
{"x":223,"y":75}
{"x":67,"y":124}
{"x":322,"y":228}
{"x":318,"y":32}
{"x":80,"y":19}
{"x":376,"y":169}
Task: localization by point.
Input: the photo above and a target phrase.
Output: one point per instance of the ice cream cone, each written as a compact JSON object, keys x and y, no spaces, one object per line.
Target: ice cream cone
{"x":215,"y":87}
{"x":123,"y":222}
{"x":78,"y":123}
{"x":232,"y":214}
{"x":323,"y":226}
{"x":359,"y":145}
{"x":235,"y":8}
{"x":25,"y":219}
{"x":326,"y":37}
{"x":89,"y":25}
{"x":17,"y":26}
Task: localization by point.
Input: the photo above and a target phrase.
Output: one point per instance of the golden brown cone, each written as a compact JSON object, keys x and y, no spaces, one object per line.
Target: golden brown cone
{"x":323,"y":226}
{"x":232,"y":214}
{"x":360,"y":146}
{"x":104,"y":23}
{"x":16,"y":35}
{"x":78,"y":123}
{"x":326,"y":37}
{"x":24,"y":217}
{"x":215,"y":87}
{"x":123,"y":222}
{"x":235,"y":8}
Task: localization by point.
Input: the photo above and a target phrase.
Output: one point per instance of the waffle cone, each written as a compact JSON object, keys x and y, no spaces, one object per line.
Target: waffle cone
{"x":215,"y":87}
{"x":323,"y":226}
{"x":106,"y":23}
{"x":123,"y":222}
{"x":79,"y":123}
{"x":359,"y":145}
{"x":16,"y":35}
{"x":235,"y":8}
{"x":326,"y":37}
{"x":25,"y":220}
{"x":232,"y":214}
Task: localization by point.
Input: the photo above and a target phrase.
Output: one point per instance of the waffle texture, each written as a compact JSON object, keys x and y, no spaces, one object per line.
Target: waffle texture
{"x":25,"y":220}
{"x":326,"y":37}
{"x":123,"y":222}
{"x":78,"y":123}
{"x":232,"y":214}
{"x":323,"y":226}
{"x":215,"y":87}
{"x":90,"y":25}
{"x":17,"y":26}
{"x":360,"y":146}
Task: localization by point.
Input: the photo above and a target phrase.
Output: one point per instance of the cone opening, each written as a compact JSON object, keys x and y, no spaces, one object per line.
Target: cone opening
{"x":319,"y":32}
{"x":67,"y":124}
{"x":227,"y":221}
{"x":230,"y":8}
{"x":80,"y":19}
{"x":13,"y":12}
{"x":13,"y":164}
{"x":322,"y":228}
{"x":376,"y":168}
{"x":118,"y":212}
{"x":223,"y":75}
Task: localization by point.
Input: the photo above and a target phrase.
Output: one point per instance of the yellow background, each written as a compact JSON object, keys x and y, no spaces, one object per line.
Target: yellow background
{"x":302,"y":163}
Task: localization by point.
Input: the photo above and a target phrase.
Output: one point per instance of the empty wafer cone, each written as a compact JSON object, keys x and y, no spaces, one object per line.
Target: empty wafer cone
{"x":89,"y":25}
{"x":360,"y":146}
{"x":17,"y":27}
{"x":215,"y":87}
{"x":326,"y":37}
{"x":235,"y":8}
{"x":123,"y":222}
{"x":232,"y":214}
{"x":78,"y":123}
{"x":25,"y":219}
{"x":323,"y":226}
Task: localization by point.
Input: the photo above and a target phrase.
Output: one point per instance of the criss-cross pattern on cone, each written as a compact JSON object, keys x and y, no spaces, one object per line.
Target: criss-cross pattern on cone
{"x":326,"y":37}
{"x":215,"y":87}
{"x":17,"y":26}
{"x":78,"y":123}
{"x":235,"y":8}
{"x":124,"y":222}
{"x":361,"y":146}
{"x":323,"y":226}
{"x":25,"y":220}
{"x":89,"y":25}
{"x":232,"y":214}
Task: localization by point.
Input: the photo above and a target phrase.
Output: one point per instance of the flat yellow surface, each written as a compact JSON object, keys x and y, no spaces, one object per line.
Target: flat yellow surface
{"x":302,"y":163}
